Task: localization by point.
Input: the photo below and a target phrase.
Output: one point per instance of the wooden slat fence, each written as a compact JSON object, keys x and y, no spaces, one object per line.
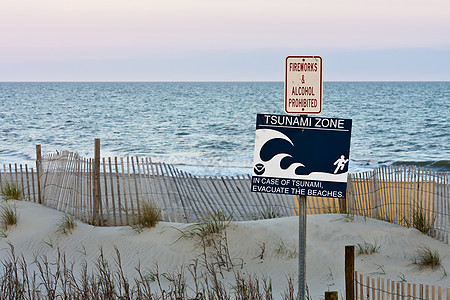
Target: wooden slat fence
{"x":379,"y":288}
{"x":404,"y":195}
{"x":125,"y":182}
{"x":399,"y":194}
{"x":322,"y":205}
{"x":66,"y":184}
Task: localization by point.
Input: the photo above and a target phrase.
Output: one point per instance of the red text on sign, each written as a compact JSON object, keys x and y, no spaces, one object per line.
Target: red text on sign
{"x":303,"y":67}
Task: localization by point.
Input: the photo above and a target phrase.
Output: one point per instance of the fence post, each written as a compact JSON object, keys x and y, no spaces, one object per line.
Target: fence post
{"x":331,"y":295}
{"x":343,"y":205}
{"x":96,"y":179}
{"x":38,"y":171}
{"x":349,"y":272}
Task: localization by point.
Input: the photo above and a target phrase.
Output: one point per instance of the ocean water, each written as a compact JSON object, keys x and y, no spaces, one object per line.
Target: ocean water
{"x":208,"y":128}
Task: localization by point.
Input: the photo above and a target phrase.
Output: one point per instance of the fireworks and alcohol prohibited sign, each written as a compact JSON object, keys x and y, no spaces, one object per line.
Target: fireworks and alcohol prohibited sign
{"x":303,"y":85}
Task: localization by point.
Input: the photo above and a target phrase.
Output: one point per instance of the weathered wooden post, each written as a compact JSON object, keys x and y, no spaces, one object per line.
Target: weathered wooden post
{"x":331,"y":295}
{"x":343,"y":201}
{"x":96,"y":180}
{"x":349,"y":272}
{"x":38,"y":171}
{"x":343,"y":205}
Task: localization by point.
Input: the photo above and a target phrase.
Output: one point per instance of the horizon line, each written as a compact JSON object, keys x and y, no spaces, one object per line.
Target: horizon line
{"x":197,"y":81}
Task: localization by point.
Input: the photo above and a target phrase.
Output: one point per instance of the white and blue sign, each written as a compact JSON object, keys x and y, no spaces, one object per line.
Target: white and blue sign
{"x":300,"y":155}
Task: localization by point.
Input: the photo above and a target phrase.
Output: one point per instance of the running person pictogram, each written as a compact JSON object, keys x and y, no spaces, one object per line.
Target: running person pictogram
{"x":340,"y":164}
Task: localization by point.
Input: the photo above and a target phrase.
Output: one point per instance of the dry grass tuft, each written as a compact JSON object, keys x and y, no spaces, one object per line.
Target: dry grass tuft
{"x":67,"y":224}
{"x":366,"y":248}
{"x":284,"y":250}
{"x":425,"y":257}
{"x":212,"y":225}
{"x":148,"y":216}
{"x":56,"y":279}
{"x":8,"y":216}
{"x":11,"y":191}
{"x":420,"y":222}
{"x":268,"y":212}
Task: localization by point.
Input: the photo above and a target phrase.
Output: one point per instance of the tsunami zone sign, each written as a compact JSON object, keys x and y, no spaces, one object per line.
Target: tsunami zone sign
{"x":300,"y":155}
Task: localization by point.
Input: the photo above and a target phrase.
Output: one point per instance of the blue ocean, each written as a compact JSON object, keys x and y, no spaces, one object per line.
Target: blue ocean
{"x":208,"y":128}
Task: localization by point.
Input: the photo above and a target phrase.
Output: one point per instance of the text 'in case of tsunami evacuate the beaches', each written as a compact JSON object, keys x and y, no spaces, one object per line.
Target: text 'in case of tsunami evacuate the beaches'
{"x":297,"y":187}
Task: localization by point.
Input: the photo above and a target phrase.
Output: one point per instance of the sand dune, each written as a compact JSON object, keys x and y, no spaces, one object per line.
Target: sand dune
{"x":36,"y":234}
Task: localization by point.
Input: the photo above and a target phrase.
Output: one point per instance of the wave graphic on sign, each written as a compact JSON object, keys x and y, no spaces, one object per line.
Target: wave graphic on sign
{"x":274,"y":163}
{"x":268,"y":143}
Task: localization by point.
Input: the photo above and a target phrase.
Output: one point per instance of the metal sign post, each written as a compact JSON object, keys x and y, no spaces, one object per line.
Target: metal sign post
{"x":301,"y":247}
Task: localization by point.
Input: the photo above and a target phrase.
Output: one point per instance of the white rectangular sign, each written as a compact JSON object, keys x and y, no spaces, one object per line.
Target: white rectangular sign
{"x":303,"y":85}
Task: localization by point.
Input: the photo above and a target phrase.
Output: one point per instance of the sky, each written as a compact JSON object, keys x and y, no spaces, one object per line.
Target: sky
{"x":216,"y":40}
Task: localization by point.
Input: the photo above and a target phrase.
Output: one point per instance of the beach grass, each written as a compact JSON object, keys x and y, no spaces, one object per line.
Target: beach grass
{"x":285,"y":250}
{"x":11,"y":191}
{"x":57,"y":279}
{"x":67,"y":224}
{"x":212,"y":224}
{"x":8,"y":216}
{"x":420,"y":222}
{"x":148,"y":216}
{"x":426,"y":257}
{"x":269,"y":212}
{"x":367,"y":248}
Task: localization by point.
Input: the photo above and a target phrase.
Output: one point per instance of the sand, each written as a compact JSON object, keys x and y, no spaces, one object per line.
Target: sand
{"x":36,"y":234}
